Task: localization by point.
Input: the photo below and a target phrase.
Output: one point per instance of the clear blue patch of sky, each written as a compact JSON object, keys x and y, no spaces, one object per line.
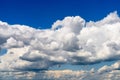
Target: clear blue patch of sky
{"x":42,"y":13}
{"x":81,"y":67}
{"x":3,"y":51}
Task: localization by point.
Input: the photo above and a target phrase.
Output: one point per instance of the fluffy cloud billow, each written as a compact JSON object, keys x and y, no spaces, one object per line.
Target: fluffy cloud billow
{"x":69,"y":41}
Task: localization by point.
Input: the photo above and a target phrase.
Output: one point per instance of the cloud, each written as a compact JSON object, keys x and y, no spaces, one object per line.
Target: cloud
{"x":71,"y":40}
{"x":105,"y":68}
{"x":61,"y":74}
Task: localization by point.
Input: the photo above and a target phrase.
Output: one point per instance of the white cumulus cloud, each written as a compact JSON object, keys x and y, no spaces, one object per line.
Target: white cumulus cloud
{"x":71,"y":40}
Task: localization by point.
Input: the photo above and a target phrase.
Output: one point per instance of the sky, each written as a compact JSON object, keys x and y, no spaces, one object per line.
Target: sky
{"x":51,"y":35}
{"x":42,"y":13}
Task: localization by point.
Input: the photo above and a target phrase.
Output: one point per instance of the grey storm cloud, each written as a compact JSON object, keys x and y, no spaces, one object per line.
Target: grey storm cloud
{"x":71,"y":40}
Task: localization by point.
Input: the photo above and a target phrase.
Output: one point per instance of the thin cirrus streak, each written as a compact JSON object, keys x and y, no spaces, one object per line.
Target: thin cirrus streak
{"x":69,"y":41}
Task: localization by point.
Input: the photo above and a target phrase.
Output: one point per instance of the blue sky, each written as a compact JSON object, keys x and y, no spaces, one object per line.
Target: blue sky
{"x":2,"y":51}
{"x":42,"y":13}
{"x":81,"y":67}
